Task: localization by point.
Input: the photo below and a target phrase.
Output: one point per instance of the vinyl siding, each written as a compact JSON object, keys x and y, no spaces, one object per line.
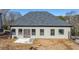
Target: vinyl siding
{"x":46,"y":32}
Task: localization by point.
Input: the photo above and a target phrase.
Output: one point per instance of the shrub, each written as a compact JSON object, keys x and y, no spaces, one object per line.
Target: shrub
{"x":15,"y":37}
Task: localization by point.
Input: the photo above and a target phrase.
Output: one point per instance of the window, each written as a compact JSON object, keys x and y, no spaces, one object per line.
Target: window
{"x":20,"y":32}
{"x":41,"y":31}
{"x":33,"y":32}
{"x":13,"y":32}
{"x":52,"y":32}
{"x":61,"y":31}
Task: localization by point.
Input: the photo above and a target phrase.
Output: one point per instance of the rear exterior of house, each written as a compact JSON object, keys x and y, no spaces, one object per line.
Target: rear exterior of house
{"x":41,"y":32}
{"x":40,"y":25}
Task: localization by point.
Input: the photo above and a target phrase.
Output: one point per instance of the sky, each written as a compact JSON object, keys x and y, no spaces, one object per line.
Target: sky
{"x":57,"y":12}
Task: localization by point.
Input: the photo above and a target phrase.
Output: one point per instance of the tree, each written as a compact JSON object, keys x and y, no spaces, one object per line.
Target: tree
{"x":61,"y":17}
{"x":9,"y":18}
{"x":12,"y":16}
{"x":73,"y":19}
{"x":3,"y":12}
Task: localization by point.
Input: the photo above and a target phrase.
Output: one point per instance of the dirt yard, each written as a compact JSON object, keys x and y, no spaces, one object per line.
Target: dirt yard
{"x":39,"y":44}
{"x":55,"y":44}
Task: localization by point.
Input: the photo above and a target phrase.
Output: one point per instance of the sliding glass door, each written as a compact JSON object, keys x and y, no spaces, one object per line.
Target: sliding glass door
{"x":26,"y":33}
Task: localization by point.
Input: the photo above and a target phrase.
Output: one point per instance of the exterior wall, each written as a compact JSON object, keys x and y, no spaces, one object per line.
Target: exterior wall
{"x":67,"y":31}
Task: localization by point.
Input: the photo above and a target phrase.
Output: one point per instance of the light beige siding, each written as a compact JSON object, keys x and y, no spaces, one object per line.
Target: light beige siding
{"x":67,"y":32}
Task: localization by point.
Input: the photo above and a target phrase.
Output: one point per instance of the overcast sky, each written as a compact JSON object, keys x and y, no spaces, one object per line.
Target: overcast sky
{"x":56,"y":12}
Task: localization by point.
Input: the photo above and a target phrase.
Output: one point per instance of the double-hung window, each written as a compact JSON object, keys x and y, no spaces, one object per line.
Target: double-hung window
{"x":41,"y":32}
{"x":20,"y":32}
{"x":13,"y":31}
{"x":52,"y":32}
{"x":61,"y":31}
{"x":33,"y":32}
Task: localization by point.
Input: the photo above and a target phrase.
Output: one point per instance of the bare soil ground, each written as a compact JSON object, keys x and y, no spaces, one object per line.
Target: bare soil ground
{"x":55,"y":44}
{"x":38,"y":44}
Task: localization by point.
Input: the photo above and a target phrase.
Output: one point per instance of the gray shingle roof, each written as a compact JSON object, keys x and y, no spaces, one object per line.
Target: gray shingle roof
{"x":39,"y":18}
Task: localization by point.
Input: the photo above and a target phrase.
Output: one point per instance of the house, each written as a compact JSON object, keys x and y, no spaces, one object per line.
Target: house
{"x":1,"y":25}
{"x":40,"y":24}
